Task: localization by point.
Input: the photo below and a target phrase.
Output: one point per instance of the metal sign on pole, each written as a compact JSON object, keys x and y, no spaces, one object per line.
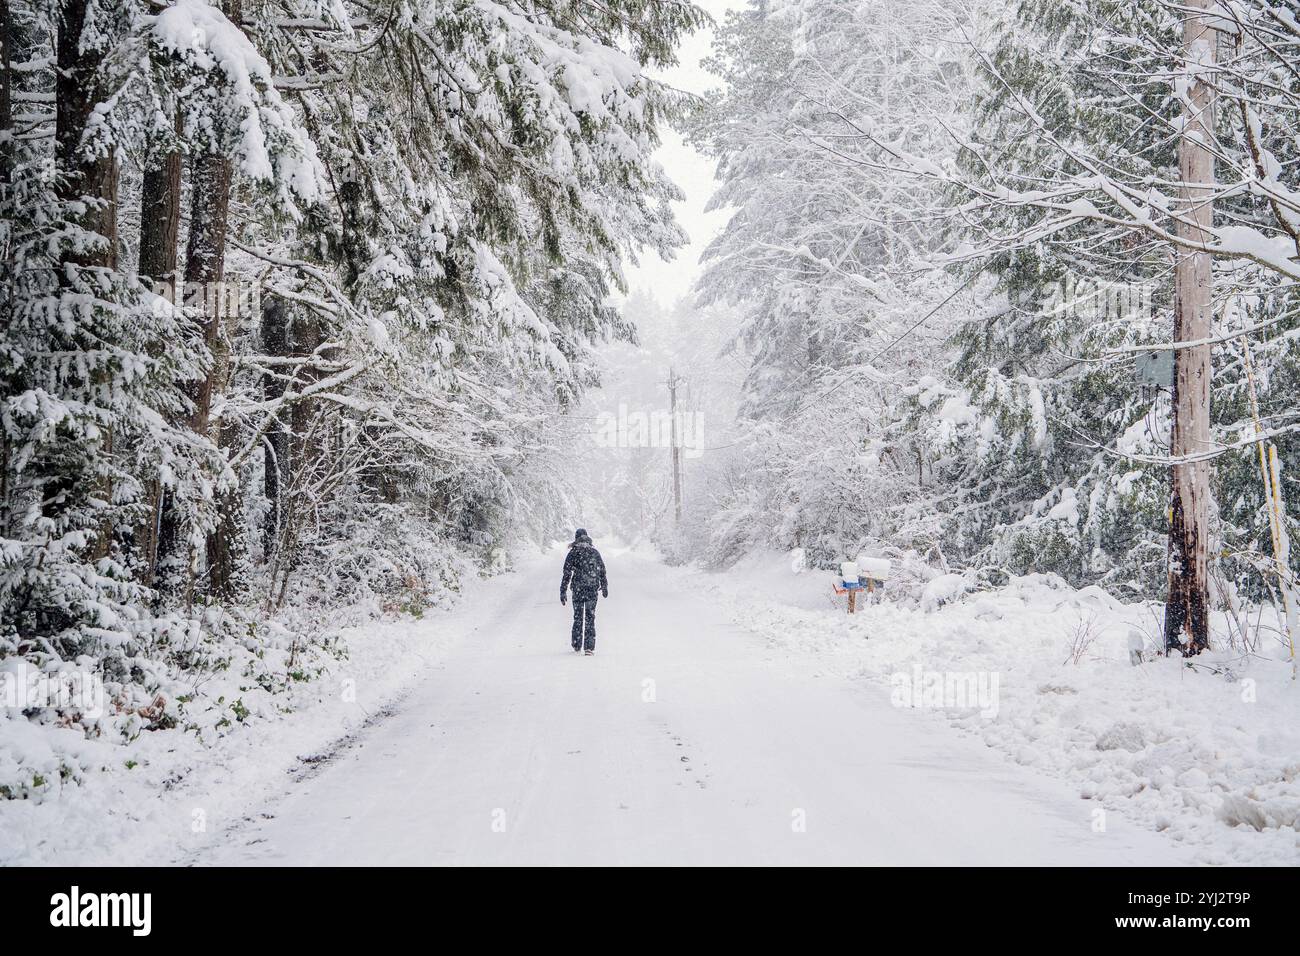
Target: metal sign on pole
{"x":1155,"y":369}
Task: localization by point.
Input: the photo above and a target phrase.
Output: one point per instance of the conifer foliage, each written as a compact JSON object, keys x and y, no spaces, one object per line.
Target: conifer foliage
{"x":289,"y":288}
{"x":1026,"y":154}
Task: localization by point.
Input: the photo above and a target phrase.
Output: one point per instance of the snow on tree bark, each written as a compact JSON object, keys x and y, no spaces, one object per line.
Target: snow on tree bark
{"x":88,"y":170}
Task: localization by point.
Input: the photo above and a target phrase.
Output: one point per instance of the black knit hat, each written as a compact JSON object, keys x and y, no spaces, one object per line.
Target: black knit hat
{"x":580,"y":534}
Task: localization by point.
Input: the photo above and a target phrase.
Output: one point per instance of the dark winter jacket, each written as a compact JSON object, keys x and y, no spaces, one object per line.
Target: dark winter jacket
{"x":585,"y":570}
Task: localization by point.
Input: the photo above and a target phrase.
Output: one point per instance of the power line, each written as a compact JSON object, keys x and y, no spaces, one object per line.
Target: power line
{"x":875,"y":358}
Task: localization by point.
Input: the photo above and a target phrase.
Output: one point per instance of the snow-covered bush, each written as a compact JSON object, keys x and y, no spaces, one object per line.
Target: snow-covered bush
{"x":944,"y":589}
{"x":381,"y":560}
{"x":205,"y":675}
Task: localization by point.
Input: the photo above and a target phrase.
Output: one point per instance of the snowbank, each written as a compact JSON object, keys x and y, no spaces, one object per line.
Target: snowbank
{"x":1208,"y":753}
{"x":156,"y":798}
{"x":944,"y":589}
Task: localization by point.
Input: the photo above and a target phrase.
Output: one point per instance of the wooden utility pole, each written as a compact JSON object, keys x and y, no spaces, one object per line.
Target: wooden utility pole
{"x":673,"y":382}
{"x":1186,"y":612}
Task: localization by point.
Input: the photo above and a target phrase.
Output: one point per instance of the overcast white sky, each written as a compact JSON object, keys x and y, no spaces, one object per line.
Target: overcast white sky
{"x":669,"y":281}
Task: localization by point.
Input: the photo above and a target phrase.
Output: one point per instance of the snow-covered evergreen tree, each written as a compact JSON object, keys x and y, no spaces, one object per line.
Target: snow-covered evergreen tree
{"x":1028,"y":147}
{"x":1079,"y":103}
{"x":826,"y":255}
{"x":292,"y":292}
{"x":92,"y":362}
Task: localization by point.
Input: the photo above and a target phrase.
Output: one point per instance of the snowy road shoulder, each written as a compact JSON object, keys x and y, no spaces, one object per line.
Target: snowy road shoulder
{"x":1208,"y":755}
{"x":167,"y":794}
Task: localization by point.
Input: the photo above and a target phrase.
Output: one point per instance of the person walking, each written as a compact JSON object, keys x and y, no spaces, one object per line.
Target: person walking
{"x":584,"y":575}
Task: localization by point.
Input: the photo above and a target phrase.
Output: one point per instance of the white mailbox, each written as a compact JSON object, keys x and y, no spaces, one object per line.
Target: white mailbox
{"x":877,"y":569}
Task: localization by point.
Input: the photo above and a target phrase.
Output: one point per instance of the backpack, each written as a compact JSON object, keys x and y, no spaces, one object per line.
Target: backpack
{"x":586,"y":568}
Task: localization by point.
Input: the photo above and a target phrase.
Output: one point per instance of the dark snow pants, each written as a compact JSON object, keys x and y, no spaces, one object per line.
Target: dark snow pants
{"x":584,"y":612}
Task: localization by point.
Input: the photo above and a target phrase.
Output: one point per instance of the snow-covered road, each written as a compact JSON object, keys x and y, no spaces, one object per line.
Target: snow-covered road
{"x":681,"y":741}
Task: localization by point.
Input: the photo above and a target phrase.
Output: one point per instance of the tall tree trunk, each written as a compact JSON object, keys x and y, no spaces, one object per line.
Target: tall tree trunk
{"x":205,"y":270}
{"x":6,"y":92}
{"x":304,"y":447}
{"x":89,"y":180}
{"x":204,"y":273}
{"x":1186,"y":613}
{"x":305,"y":338}
{"x":160,"y":221}
{"x":205,"y":263}
{"x":8,"y":38}
{"x":275,"y":342}
{"x":227,"y":545}
{"x":82,"y":178}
